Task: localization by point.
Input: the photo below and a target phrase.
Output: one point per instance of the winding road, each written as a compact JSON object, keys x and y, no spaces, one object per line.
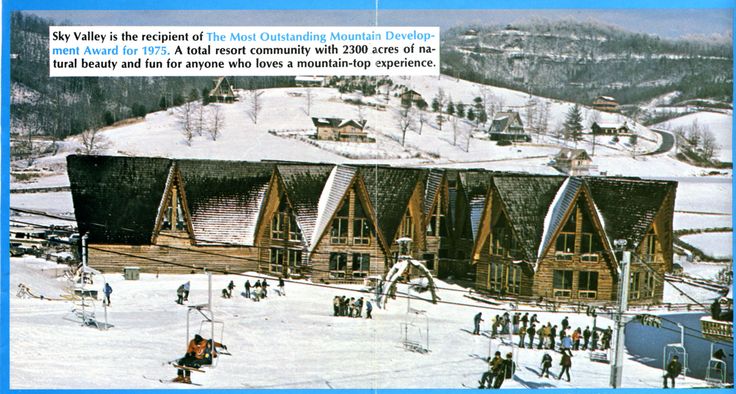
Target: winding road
{"x":668,"y":142}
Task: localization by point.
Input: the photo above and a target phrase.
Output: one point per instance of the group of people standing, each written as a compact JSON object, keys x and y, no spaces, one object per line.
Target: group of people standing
{"x":256,"y":291}
{"x":351,"y":307}
{"x":562,"y":338}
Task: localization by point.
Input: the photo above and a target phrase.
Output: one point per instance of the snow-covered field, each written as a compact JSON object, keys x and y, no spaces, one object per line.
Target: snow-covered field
{"x":719,"y":124}
{"x":695,"y":221}
{"x":718,"y":245}
{"x":280,"y":342}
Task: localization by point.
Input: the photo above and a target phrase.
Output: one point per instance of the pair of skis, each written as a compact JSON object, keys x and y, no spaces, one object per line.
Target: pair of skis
{"x":177,"y":366}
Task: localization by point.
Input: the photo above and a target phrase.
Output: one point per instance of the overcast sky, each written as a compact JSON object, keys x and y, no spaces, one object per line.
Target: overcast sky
{"x":669,"y":23}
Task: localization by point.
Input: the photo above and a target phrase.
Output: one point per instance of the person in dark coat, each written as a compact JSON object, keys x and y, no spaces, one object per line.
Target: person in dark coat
{"x":552,"y":336}
{"x":565,"y":323}
{"x":586,"y":338}
{"x":546,"y":365}
{"x":264,"y":286}
{"x":282,"y":292}
{"x":107,"y":291}
{"x":368,"y":309}
{"x":476,"y":321}
{"x":566,"y":363}
{"x":336,"y":305}
{"x":525,"y":320}
{"x":531,"y":331}
{"x":508,"y":367}
{"x":674,"y":368}
{"x":494,"y":367}
{"x":522,"y":335}
{"x":247,"y":288}
{"x":594,"y":341}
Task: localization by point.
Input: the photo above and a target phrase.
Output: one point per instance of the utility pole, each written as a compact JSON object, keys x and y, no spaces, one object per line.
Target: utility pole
{"x":618,"y":361}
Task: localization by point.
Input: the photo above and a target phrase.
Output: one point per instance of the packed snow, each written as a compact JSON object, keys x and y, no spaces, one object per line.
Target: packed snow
{"x":720,"y":124}
{"x":718,"y":245}
{"x":280,"y":342}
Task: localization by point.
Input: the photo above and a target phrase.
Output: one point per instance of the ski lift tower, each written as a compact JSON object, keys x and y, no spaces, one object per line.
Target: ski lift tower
{"x":208,"y":321}
{"x":412,"y":333}
{"x":623,"y":292}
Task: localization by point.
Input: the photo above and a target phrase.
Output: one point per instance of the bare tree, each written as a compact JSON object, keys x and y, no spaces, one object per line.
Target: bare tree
{"x":406,"y":119}
{"x":422,"y":118}
{"x":185,"y":115}
{"x":92,"y":141}
{"x":709,"y":145}
{"x":593,"y":117}
{"x":200,"y":118}
{"x":216,"y":122}
{"x":455,"y":129}
{"x":255,"y":104}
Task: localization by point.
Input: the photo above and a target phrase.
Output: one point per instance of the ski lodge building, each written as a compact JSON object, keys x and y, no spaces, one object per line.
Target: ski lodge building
{"x":514,"y":234}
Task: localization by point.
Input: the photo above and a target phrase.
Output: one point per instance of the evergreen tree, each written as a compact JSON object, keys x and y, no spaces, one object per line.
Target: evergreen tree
{"x":460,"y":109}
{"x":450,"y":108}
{"x":573,"y":125}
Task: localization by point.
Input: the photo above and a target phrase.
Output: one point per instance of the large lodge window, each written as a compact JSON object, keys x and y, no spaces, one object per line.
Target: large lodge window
{"x":503,"y":242}
{"x":437,"y":224}
{"x":284,"y":224}
{"x":513,"y":280}
{"x":338,"y":265}
{"x":361,"y":226}
{"x":407,"y":226}
{"x":587,"y":284}
{"x":562,"y":283}
{"x":634,"y":283}
{"x":172,"y":216}
{"x":277,"y":259}
{"x":565,"y":245}
{"x":648,"y":284}
{"x":649,"y":247}
{"x":339,"y":234}
{"x":495,"y":276}
{"x":361,"y":265}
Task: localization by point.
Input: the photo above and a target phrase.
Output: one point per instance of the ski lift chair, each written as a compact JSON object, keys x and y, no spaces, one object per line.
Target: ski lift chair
{"x":216,"y":330}
{"x":715,"y":374}
{"x":675,"y":349}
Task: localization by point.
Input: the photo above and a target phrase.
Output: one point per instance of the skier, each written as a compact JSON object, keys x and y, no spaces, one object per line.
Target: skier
{"x":359,"y":307}
{"x":477,"y":321}
{"x":552,"y":335}
{"x":494,"y":326}
{"x":522,"y":334}
{"x":247,"y":288}
{"x":586,"y":337}
{"x":198,"y":354}
{"x":368,"y":309}
{"x":282,"y":292}
{"x":525,"y":320}
{"x":182,"y":293}
{"x":264,"y":288}
{"x":107,"y":291}
{"x":594,"y":341}
{"x":576,"y":339}
{"x":566,"y":363}
{"x":228,"y":291}
{"x":336,"y":305}
{"x":566,"y":343}
{"x":546,"y":365}
{"x":516,"y":320}
{"x":534,"y":319}
{"x":674,"y":368}
{"x":607,"y":336}
{"x":257,"y":291}
{"x":531,"y":331}
{"x":351,"y":306}
{"x":507,"y":369}
{"x":494,"y":366}
{"x":565,"y":323}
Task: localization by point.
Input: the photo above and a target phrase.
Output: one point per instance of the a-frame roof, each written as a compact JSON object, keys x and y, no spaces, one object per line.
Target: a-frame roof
{"x":527,"y":200}
{"x":555,"y":217}
{"x":628,"y":206}
{"x":304,"y":184}
{"x":116,"y":199}
{"x":225,"y":198}
{"x":432,"y":185}
{"x":389,"y":190}
{"x":475,"y":185}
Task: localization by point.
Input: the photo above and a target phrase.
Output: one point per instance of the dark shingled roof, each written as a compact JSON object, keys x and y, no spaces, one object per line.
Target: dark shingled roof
{"x":475,"y":186}
{"x":225,"y":198}
{"x":628,"y":206}
{"x":527,"y":200}
{"x":389,"y":190}
{"x":116,"y":199}
{"x":564,"y":199}
{"x":303,"y":184}
{"x":432,"y":185}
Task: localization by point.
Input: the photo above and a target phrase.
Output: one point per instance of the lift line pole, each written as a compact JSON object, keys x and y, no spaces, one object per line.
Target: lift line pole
{"x":618,"y":359}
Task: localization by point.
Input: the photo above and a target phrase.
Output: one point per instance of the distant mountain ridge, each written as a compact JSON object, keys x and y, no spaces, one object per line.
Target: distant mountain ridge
{"x":579,"y":61}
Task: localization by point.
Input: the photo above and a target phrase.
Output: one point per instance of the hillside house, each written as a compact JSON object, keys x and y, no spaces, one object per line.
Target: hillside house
{"x":574,"y":162}
{"x":337,"y":129}
{"x":611,"y":128}
{"x":304,"y":81}
{"x":521,"y":235}
{"x":606,"y":104}
{"x":409,"y":97}
{"x":222,"y":91}
{"x":507,"y":126}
